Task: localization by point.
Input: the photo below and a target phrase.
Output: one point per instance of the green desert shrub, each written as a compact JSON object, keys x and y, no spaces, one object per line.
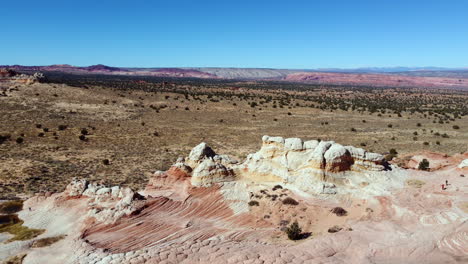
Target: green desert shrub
{"x":294,"y":231}
{"x":423,"y":165}
{"x":339,"y":211}
{"x":290,"y":201}
{"x":254,"y":203}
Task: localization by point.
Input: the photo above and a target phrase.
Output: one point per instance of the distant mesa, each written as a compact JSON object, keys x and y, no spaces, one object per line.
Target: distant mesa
{"x":101,"y":67}
{"x":378,"y":77}
{"x":178,"y":72}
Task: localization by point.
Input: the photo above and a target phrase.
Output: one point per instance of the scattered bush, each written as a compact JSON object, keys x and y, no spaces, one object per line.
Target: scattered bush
{"x":84,"y":131}
{"x":19,"y":140}
{"x":276,"y":187}
{"x":41,"y":134}
{"x":62,"y":127}
{"x":456,"y":127}
{"x":38,"y":125}
{"x":254,"y":203}
{"x":334,"y":229}
{"x":294,"y":231}
{"x":426,"y":143}
{"x":4,"y":138}
{"x":339,"y":211}
{"x":423,"y":165}
{"x":290,"y":201}
{"x":82,"y":137}
{"x":105,"y":162}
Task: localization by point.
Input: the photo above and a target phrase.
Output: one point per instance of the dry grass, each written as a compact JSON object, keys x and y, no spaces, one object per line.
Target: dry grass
{"x":464,"y":206}
{"x":15,"y":259}
{"x":124,"y":129}
{"x":45,"y":242}
{"x":415,"y":183}
{"x":11,"y":207}
{"x":13,"y":225}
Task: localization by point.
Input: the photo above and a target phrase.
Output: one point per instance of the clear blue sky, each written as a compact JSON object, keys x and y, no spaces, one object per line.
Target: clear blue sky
{"x":237,"y":33}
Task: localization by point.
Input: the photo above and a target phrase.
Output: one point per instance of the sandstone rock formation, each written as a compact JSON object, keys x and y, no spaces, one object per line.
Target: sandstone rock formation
{"x":314,"y":166}
{"x":311,"y":166}
{"x":106,"y":204}
{"x":208,"y":208}
{"x":463,"y":164}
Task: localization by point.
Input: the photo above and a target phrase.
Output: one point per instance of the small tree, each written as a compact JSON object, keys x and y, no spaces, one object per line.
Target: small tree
{"x":294,"y":231}
{"x":423,"y":165}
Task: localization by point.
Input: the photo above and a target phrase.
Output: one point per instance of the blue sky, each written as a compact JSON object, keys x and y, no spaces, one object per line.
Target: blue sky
{"x":270,"y":34}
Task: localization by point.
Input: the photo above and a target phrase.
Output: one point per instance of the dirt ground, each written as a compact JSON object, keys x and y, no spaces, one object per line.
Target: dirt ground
{"x":138,"y":135}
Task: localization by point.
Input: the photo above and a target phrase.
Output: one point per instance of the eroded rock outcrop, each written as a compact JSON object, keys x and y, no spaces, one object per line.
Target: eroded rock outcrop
{"x":312,"y":166}
{"x":106,"y":204}
{"x":208,"y":208}
{"x":463,"y":164}
{"x":211,"y":171}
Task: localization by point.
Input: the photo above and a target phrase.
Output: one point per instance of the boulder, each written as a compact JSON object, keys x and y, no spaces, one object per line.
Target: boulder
{"x":293,"y":143}
{"x":338,"y":159}
{"x":76,"y":187}
{"x":209,"y":172}
{"x":463,"y":164}
{"x":200,"y":152}
{"x":311,"y":144}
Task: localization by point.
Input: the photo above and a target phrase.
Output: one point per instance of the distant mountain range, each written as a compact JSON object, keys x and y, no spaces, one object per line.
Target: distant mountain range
{"x":391,"y":76}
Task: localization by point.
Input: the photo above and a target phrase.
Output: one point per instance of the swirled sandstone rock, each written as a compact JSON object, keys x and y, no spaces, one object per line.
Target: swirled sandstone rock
{"x":236,"y":212}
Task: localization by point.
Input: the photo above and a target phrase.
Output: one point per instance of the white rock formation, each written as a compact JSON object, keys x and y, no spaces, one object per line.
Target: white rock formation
{"x":209,"y":172}
{"x":463,"y":164}
{"x":323,"y":167}
{"x":107,"y":204}
{"x":200,"y":152}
